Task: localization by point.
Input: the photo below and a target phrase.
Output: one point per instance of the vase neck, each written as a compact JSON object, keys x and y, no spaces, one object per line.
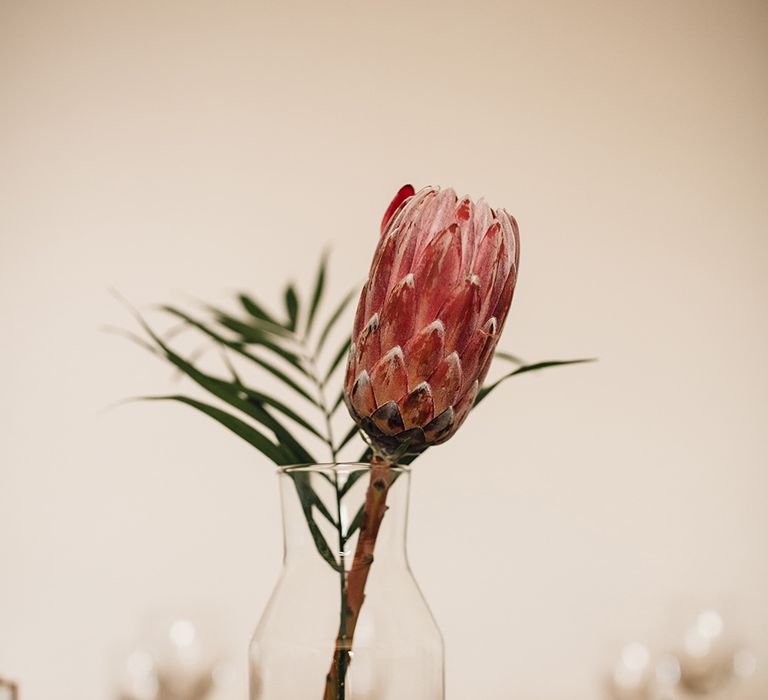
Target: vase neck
{"x":323,"y":514}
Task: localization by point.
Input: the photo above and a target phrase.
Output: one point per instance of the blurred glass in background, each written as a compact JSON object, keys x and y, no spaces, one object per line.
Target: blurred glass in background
{"x":708,"y":661}
{"x":176,"y":658}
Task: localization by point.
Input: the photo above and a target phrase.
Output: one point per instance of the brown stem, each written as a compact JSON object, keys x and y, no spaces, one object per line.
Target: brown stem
{"x":373,"y":513}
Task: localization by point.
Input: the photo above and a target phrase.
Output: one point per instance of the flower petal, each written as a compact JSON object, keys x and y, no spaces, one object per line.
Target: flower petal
{"x":476,"y":356}
{"x":487,"y":255}
{"x":423,"y":352}
{"x":436,"y":273}
{"x":440,"y":428}
{"x":446,"y":382}
{"x":417,"y":408}
{"x":349,"y":376}
{"x":500,"y":272}
{"x":381,"y":271}
{"x":388,"y":377}
{"x":361,"y":396}
{"x":413,"y":207}
{"x":406,"y":247}
{"x":460,"y":315}
{"x":368,"y":346}
{"x":360,"y":318}
{"x":464,"y":209}
{"x":399,"y":314}
{"x":464,"y":405}
{"x":507,"y":290}
{"x":482,"y":218}
{"x":387,"y":418}
{"x":436,"y":216}
{"x":513,"y":231}
{"x":403,"y":194}
{"x":505,"y":298}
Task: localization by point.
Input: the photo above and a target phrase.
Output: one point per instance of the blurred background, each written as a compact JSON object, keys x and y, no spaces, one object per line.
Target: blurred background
{"x":586,"y":519}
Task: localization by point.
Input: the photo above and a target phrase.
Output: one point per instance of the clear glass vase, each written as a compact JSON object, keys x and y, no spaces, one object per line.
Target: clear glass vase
{"x":346,"y":620}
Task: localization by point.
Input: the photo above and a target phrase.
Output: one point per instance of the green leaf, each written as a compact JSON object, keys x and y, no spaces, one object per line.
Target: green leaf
{"x":238,"y":348}
{"x":318,"y":293}
{"x":355,"y":524}
{"x":238,"y":397}
{"x":241,"y":428}
{"x":339,"y":400}
{"x":298,"y":452}
{"x":310,"y":495}
{"x":307,"y":495}
{"x":258,"y":397}
{"x":256,"y":310}
{"x":235,"y":396}
{"x":263,"y":320}
{"x":354,"y":430}
{"x":309,"y":499}
{"x":320,"y":543}
{"x":288,"y":449}
{"x":279,"y":406}
{"x":509,"y":357}
{"x":251,"y":327}
{"x":340,"y":355}
{"x":228,"y":362}
{"x":253,"y":336}
{"x":353,"y":478}
{"x":132,"y":337}
{"x":527,"y":368}
{"x":332,"y":321}
{"x":291,"y":307}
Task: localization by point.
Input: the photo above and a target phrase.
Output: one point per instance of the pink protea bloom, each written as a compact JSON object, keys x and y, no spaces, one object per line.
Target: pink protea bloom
{"x":429,"y":316}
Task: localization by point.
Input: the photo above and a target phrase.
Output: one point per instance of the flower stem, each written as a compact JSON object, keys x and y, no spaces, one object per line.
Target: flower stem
{"x":343,"y":605}
{"x":373,"y":513}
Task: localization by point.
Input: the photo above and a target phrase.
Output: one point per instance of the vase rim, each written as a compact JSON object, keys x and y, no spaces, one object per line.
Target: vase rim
{"x":336,"y":467}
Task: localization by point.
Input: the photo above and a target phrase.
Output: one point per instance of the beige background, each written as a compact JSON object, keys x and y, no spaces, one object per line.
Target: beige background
{"x":172,"y":148}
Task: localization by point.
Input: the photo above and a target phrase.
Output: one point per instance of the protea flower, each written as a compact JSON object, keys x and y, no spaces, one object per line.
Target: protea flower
{"x":429,"y":316}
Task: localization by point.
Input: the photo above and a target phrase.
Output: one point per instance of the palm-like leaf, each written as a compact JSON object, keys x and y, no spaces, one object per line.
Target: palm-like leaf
{"x":247,"y":336}
{"x":317,"y":295}
{"x":526,"y":368}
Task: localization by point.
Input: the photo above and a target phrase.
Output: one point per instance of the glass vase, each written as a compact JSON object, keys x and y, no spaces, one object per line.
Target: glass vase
{"x":346,"y":620}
